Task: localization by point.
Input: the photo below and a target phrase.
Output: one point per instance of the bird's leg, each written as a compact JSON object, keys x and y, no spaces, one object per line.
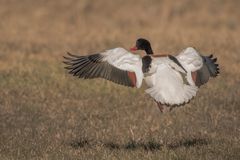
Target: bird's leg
{"x":160,"y":106}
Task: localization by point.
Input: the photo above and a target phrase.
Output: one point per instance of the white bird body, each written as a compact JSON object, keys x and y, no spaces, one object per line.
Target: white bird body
{"x":166,"y":81}
{"x":171,"y":80}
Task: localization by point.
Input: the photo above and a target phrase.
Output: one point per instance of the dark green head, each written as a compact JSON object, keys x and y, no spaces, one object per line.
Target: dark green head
{"x":143,"y":44}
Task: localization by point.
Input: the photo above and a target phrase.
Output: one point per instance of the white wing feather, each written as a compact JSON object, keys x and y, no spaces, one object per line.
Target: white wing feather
{"x":122,"y":59}
{"x":191,"y":60}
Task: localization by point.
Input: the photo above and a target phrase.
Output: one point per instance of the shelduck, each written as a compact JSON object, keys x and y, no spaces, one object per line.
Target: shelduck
{"x":171,"y":80}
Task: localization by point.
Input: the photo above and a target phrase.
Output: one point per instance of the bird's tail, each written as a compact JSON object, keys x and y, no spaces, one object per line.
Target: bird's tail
{"x":211,"y":65}
{"x":209,"y":69}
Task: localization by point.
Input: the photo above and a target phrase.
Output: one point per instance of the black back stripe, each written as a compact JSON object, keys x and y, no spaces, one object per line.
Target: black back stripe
{"x":174,"y":59}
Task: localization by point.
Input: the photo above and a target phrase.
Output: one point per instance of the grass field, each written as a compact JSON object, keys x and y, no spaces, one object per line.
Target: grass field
{"x":47,"y":114}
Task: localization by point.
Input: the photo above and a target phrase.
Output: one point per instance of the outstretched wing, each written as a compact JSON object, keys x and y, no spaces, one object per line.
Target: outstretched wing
{"x":117,"y":65}
{"x":191,"y":60}
{"x":199,"y":68}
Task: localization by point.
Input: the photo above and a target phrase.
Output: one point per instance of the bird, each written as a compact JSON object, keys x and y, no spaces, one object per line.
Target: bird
{"x":171,"y":81}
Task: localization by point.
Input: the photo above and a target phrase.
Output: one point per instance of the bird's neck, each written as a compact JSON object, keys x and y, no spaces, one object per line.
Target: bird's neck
{"x":149,"y":51}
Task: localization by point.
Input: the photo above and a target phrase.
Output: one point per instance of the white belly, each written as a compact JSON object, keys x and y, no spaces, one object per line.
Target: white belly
{"x":150,"y":80}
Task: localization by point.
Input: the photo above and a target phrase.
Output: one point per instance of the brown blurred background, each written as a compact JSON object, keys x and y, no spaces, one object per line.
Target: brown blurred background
{"x":47,"y":114}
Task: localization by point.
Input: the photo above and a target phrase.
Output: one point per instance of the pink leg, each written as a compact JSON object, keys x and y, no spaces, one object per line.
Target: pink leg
{"x":160,"y":107}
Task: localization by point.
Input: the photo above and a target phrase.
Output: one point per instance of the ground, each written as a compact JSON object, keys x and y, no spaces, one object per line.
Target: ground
{"x":46,"y":113}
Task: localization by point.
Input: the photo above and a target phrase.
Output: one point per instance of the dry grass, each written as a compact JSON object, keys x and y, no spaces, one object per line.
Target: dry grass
{"x":47,"y":114}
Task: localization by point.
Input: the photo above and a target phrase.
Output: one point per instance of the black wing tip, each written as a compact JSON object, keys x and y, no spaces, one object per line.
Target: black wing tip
{"x":214,"y":61}
{"x":210,"y":56}
{"x":69,"y":56}
{"x":73,"y":55}
{"x":78,"y":65}
{"x":67,"y":60}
